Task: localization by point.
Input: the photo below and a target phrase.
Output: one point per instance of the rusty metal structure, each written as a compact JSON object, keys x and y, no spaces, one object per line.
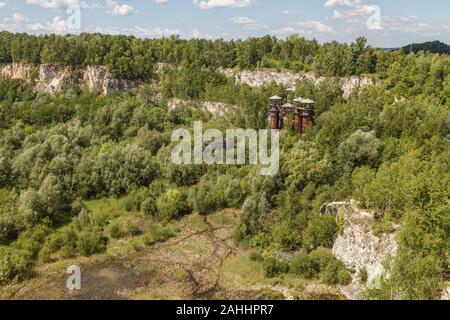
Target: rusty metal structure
{"x":300,"y":112}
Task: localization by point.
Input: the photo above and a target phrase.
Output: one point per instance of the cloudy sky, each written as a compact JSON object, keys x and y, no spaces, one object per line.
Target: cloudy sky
{"x":385,"y":23}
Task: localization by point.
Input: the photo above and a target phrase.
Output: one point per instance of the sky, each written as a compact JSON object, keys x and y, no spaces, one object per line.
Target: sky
{"x":385,"y":23}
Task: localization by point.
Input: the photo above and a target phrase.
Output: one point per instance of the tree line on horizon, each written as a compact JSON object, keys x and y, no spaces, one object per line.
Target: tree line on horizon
{"x":134,"y":58}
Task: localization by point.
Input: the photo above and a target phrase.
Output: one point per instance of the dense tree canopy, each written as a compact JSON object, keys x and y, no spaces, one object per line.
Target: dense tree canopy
{"x":386,"y":146}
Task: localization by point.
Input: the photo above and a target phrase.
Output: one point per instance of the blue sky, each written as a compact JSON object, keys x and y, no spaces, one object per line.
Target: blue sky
{"x":386,"y":23}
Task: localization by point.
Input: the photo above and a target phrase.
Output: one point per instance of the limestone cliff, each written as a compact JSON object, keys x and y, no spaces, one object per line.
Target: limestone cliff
{"x":357,"y":246}
{"x":289,"y":79}
{"x":215,"y":108}
{"x":53,"y":78}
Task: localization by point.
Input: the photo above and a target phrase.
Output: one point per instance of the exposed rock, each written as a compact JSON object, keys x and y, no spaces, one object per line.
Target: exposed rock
{"x":358,"y":247}
{"x":16,"y":70}
{"x":54,"y":78}
{"x":289,"y":79}
{"x":215,"y":108}
{"x":446,"y":294}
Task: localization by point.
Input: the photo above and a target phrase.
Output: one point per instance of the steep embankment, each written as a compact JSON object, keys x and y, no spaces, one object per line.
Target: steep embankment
{"x":290,"y":79}
{"x":53,"y":78}
{"x":358,"y":247}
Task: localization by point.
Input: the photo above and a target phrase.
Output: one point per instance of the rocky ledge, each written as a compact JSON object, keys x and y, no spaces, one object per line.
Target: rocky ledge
{"x":358,"y":247}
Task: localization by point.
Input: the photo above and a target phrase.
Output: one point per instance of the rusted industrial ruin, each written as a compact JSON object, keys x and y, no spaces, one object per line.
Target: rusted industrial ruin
{"x":300,"y":111}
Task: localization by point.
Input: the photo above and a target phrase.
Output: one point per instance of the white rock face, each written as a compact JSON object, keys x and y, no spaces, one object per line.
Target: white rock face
{"x":215,"y":108}
{"x":357,"y":246}
{"x":16,"y":70}
{"x":290,"y":79}
{"x":53,"y":78}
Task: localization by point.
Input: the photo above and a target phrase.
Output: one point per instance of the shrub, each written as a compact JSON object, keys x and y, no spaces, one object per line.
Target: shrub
{"x":254,"y":214}
{"x":83,"y":220}
{"x":270,"y":295}
{"x":274,"y":267}
{"x":320,"y":258}
{"x":31,"y":241}
{"x":63,"y":241}
{"x":208,"y":198}
{"x":133,"y":229}
{"x":302,"y":265}
{"x":149,"y":207}
{"x":320,"y":232}
{"x":344,"y":276}
{"x":320,"y":263}
{"x":335,"y":273}
{"x":91,"y":242}
{"x":363,"y":276}
{"x":15,"y":265}
{"x":255,"y":256}
{"x":157,"y":234}
{"x":173,"y":204}
{"x":116,"y":230}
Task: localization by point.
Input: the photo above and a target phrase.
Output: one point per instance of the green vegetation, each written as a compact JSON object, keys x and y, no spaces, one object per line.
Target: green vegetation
{"x":79,"y":172}
{"x":431,"y":46}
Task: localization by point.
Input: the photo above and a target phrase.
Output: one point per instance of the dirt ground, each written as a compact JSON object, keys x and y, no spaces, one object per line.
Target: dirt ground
{"x":187,"y":266}
{"x":201,"y":262}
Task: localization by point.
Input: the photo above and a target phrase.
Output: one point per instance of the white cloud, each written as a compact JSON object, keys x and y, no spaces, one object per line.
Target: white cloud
{"x":139,"y":31}
{"x":287,"y":12}
{"x":2,"y":4}
{"x":316,"y":26}
{"x":307,"y":27}
{"x":57,"y":25}
{"x":59,"y":4}
{"x":357,"y":13}
{"x":196,"y":34}
{"x":212,"y":4}
{"x":161,"y":1}
{"x":20,"y":23}
{"x":408,"y":24}
{"x":116,"y":9}
{"x":248,"y":23}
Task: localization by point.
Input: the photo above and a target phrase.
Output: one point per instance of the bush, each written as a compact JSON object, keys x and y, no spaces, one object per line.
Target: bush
{"x":320,"y":258}
{"x":302,"y":265}
{"x":91,"y":242}
{"x":15,"y":265}
{"x":63,"y":241}
{"x":255,"y":256}
{"x":271,"y":295}
{"x":274,"y":267}
{"x":157,"y":234}
{"x":335,"y":273}
{"x":320,"y":232}
{"x":149,"y":207}
{"x":31,"y":241}
{"x":208,"y":197}
{"x":320,"y":263}
{"x":116,"y":230}
{"x":363,"y":276}
{"x":173,"y":204}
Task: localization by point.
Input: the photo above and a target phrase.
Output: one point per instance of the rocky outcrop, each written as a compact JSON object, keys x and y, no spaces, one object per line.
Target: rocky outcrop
{"x":289,"y":79}
{"x":54,"y":78}
{"x":16,"y":70}
{"x":215,"y":108}
{"x":358,"y":247}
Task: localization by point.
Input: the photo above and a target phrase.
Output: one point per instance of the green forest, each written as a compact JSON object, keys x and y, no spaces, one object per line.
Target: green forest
{"x":386,"y":146}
